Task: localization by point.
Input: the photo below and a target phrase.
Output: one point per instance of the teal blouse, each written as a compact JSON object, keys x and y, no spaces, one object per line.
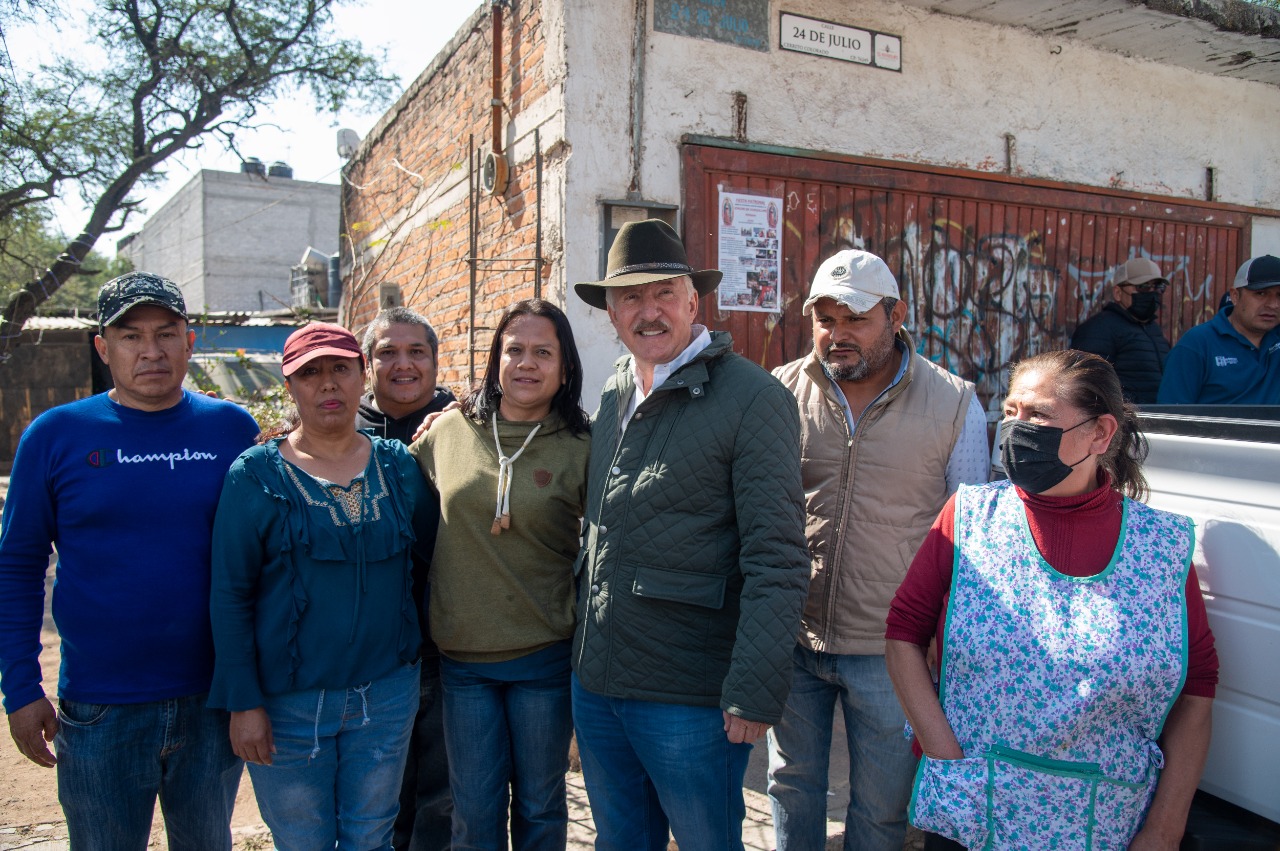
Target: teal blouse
{"x":311,"y":583}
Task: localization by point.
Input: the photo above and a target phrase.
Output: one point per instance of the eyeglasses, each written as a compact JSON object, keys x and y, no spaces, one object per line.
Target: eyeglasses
{"x":1149,"y":287}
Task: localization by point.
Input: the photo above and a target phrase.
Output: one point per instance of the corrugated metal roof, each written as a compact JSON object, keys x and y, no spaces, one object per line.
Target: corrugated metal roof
{"x":1227,"y":38}
{"x":58,"y":323}
{"x":248,"y":320}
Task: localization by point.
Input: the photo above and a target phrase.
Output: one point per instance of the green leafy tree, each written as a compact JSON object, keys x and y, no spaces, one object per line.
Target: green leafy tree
{"x":175,"y":73}
{"x":26,"y":247}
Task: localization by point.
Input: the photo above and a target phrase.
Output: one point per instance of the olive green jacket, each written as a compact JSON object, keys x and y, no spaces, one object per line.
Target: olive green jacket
{"x":694,"y":566}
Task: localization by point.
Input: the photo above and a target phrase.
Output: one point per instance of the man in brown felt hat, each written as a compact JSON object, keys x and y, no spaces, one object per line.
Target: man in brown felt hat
{"x":694,"y":565}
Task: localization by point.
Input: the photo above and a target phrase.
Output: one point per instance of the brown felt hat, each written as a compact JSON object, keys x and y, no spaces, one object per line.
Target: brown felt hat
{"x":644,"y":252}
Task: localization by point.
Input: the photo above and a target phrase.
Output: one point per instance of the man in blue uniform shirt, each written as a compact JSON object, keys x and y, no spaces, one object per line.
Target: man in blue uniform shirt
{"x":1234,"y":358}
{"x":124,"y":484}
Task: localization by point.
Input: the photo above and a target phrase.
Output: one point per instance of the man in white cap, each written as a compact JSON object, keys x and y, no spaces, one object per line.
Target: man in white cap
{"x":886,"y":437}
{"x":1234,"y":358}
{"x":1126,"y":331}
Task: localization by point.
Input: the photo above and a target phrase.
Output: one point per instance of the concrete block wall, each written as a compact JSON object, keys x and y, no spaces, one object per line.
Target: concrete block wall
{"x":255,"y":229}
{"x":405,"y":193}
{"x":229,"y":239}
{"x":171,"y":242}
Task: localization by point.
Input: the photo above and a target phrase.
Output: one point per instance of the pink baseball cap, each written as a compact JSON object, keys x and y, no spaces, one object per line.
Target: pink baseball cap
{"x":317,"y":340}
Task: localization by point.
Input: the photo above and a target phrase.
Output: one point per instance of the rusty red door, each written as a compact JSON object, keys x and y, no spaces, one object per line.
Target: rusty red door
{"x":992,"y":269}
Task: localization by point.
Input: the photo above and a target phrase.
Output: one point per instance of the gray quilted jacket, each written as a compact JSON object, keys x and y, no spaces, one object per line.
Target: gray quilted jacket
{"x":694,"y":566}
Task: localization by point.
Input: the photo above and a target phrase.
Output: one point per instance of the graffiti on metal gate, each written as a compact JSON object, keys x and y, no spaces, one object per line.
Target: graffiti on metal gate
{"x":981,"y":300}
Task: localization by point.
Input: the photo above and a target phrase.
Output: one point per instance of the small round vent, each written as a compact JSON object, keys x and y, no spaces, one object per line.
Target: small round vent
{"x":493,"y":174}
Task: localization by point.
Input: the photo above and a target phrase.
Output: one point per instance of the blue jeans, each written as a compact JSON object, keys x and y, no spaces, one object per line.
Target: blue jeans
{"x":504,"y":733}
{"x":114,"y":760}
{"x":426,"y":808}
{"x":881,"y":765}
{"x":653,"y":767}
{"x":335,"y":776}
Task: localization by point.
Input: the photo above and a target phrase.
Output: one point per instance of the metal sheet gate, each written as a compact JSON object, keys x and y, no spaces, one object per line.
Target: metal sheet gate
{"x":993,"y":269}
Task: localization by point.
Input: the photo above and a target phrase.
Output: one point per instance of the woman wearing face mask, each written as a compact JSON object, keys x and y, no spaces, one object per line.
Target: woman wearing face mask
{"x":1077,"y":666}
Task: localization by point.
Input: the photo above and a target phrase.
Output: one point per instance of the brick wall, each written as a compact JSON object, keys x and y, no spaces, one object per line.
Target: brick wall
{"x":405,"y":199}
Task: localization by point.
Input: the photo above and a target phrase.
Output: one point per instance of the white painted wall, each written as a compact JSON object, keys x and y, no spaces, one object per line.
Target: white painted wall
{"x":1266,"y":236}
{"x":598,"y":37}
{"x":1079,"y":116}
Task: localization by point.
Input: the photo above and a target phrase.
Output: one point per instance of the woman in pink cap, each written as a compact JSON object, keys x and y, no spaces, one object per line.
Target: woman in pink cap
{"x":315,"y":629}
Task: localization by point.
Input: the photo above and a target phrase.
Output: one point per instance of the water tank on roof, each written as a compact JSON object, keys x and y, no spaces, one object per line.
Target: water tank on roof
{"x":280,"y":169}
{"x":253,"y":165}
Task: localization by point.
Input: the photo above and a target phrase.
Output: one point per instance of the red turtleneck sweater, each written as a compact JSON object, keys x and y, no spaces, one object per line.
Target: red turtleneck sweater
{"x":1077,"y":535}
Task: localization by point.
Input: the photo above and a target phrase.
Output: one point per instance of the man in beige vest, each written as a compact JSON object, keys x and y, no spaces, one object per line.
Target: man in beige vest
{"x":886,"y":437}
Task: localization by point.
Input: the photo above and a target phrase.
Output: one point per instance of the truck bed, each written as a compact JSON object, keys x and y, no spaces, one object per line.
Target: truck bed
{"x":1221,"y":466}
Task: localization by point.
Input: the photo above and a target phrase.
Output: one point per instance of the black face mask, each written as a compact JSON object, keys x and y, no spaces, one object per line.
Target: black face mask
{"x":1143,"y":307}
{"x":1030,"y":454}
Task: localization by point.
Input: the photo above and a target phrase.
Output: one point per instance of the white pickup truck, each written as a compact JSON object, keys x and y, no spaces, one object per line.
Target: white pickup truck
{"x":1220,"y":465}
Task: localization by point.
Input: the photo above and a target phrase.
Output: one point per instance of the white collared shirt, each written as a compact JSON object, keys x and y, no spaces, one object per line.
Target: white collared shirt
{"x":661,"y":372}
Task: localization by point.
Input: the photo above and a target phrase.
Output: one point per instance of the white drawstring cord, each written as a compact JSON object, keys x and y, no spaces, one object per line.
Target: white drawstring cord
{"x":364,"y":702}
{"x":315,"y":741}
{"x":502,"y":513}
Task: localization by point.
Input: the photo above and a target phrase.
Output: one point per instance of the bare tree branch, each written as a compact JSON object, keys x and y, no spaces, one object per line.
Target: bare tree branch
{"x":178,"y":71}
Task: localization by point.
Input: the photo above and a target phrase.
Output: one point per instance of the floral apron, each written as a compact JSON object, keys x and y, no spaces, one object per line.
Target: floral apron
{"x":1056,"y":686}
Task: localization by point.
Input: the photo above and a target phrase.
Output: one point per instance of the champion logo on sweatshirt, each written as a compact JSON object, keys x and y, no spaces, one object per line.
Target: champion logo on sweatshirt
{"x":105,"y":457}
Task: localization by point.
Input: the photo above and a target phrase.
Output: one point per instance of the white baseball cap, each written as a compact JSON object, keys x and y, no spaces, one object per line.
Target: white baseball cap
{"x":856,"y":279}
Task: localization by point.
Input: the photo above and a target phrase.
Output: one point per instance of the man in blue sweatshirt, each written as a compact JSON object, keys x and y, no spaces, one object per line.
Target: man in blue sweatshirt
{"x":124,"y":484}
{"x":1234,"y":358}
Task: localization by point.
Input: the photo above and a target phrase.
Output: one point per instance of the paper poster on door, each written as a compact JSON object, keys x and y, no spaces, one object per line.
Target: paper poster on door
{"x":750,"y":252}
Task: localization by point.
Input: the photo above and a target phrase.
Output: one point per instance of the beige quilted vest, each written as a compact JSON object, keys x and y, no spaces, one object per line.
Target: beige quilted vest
{"x":870,"y":499}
